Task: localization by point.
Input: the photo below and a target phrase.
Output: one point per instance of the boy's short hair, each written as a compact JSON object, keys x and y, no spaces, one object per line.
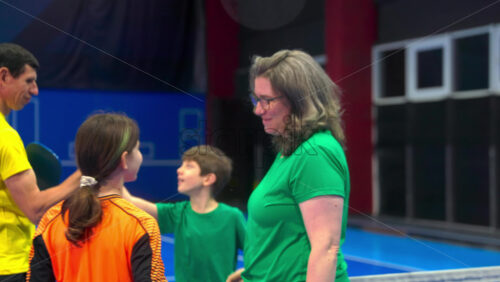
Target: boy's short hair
{"x":211,"y":160}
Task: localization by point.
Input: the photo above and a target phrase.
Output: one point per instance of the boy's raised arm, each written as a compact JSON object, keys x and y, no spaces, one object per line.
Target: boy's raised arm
{"x":140,"y":203}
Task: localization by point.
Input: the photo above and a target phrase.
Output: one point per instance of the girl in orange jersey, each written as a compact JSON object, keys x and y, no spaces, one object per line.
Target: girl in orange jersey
{"x":95,"y":235}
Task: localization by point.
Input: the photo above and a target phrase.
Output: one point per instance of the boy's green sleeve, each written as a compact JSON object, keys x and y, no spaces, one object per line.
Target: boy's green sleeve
{"x":168,"y":214}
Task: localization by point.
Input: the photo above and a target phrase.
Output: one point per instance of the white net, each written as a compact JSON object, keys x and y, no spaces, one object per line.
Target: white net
{"x":490,"y":274}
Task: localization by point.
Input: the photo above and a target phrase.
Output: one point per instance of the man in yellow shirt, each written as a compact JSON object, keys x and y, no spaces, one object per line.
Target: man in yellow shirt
{"x":22,"y":204}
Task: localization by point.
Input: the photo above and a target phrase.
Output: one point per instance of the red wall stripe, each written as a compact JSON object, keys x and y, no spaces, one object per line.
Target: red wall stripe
{"x":350,"y":31}
{"x":222,"y":51}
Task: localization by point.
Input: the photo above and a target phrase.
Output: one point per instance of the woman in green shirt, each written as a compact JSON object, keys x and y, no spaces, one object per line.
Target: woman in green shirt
{"x":297,"y":215}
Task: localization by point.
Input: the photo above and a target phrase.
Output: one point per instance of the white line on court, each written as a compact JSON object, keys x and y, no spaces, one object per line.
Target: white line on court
{"x":383,"y":264}
{"x":167,"y":239}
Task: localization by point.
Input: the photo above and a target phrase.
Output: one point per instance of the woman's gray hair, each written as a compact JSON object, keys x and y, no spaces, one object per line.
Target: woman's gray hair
{"x":313,"y":96}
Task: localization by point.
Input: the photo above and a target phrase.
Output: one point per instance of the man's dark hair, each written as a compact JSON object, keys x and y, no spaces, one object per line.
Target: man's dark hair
{"x":15,"y":58}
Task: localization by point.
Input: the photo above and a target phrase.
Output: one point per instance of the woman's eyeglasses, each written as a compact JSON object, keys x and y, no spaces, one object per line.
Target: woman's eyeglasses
{"x":265,"y":103}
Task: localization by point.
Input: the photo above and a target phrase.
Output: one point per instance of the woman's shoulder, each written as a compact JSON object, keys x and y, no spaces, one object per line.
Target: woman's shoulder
{"x":322,"y":142}
{"x":323,"y":138}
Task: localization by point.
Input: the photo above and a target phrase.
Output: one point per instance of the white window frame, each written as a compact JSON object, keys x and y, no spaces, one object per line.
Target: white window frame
{"x":495,"y":59}
{"x":465,"y":94}
{"x":431,"y":93}
{"x":377,"y":74}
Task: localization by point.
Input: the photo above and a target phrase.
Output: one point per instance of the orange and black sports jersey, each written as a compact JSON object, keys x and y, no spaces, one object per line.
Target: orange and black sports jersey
{"x":125,"y":246}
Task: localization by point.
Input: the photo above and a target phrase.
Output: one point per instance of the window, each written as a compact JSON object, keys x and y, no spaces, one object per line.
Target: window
{"x":471,"y":62}
{"x":389,"y":73}
{"x":461,"y":64}
{"x":428,"y":69}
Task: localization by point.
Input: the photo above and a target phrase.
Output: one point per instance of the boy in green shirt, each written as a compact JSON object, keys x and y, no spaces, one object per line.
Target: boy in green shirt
{"x":208,"y":234}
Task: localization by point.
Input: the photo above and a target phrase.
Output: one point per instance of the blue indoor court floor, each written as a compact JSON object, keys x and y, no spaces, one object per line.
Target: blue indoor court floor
{"x":369,"y":253}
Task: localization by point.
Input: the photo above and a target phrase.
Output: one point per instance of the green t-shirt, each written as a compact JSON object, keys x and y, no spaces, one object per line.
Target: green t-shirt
{"x":277,"y":247}
{"x":206,"y":245}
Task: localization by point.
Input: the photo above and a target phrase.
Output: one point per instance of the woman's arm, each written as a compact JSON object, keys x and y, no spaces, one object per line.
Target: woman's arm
{"x":323,"y":221}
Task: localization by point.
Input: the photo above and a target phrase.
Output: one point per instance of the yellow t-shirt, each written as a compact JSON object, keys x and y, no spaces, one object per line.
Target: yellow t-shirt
{"x":16,"y":230}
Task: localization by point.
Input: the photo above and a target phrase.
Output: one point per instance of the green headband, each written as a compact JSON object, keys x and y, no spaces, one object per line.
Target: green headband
{"x":123,"y":144}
